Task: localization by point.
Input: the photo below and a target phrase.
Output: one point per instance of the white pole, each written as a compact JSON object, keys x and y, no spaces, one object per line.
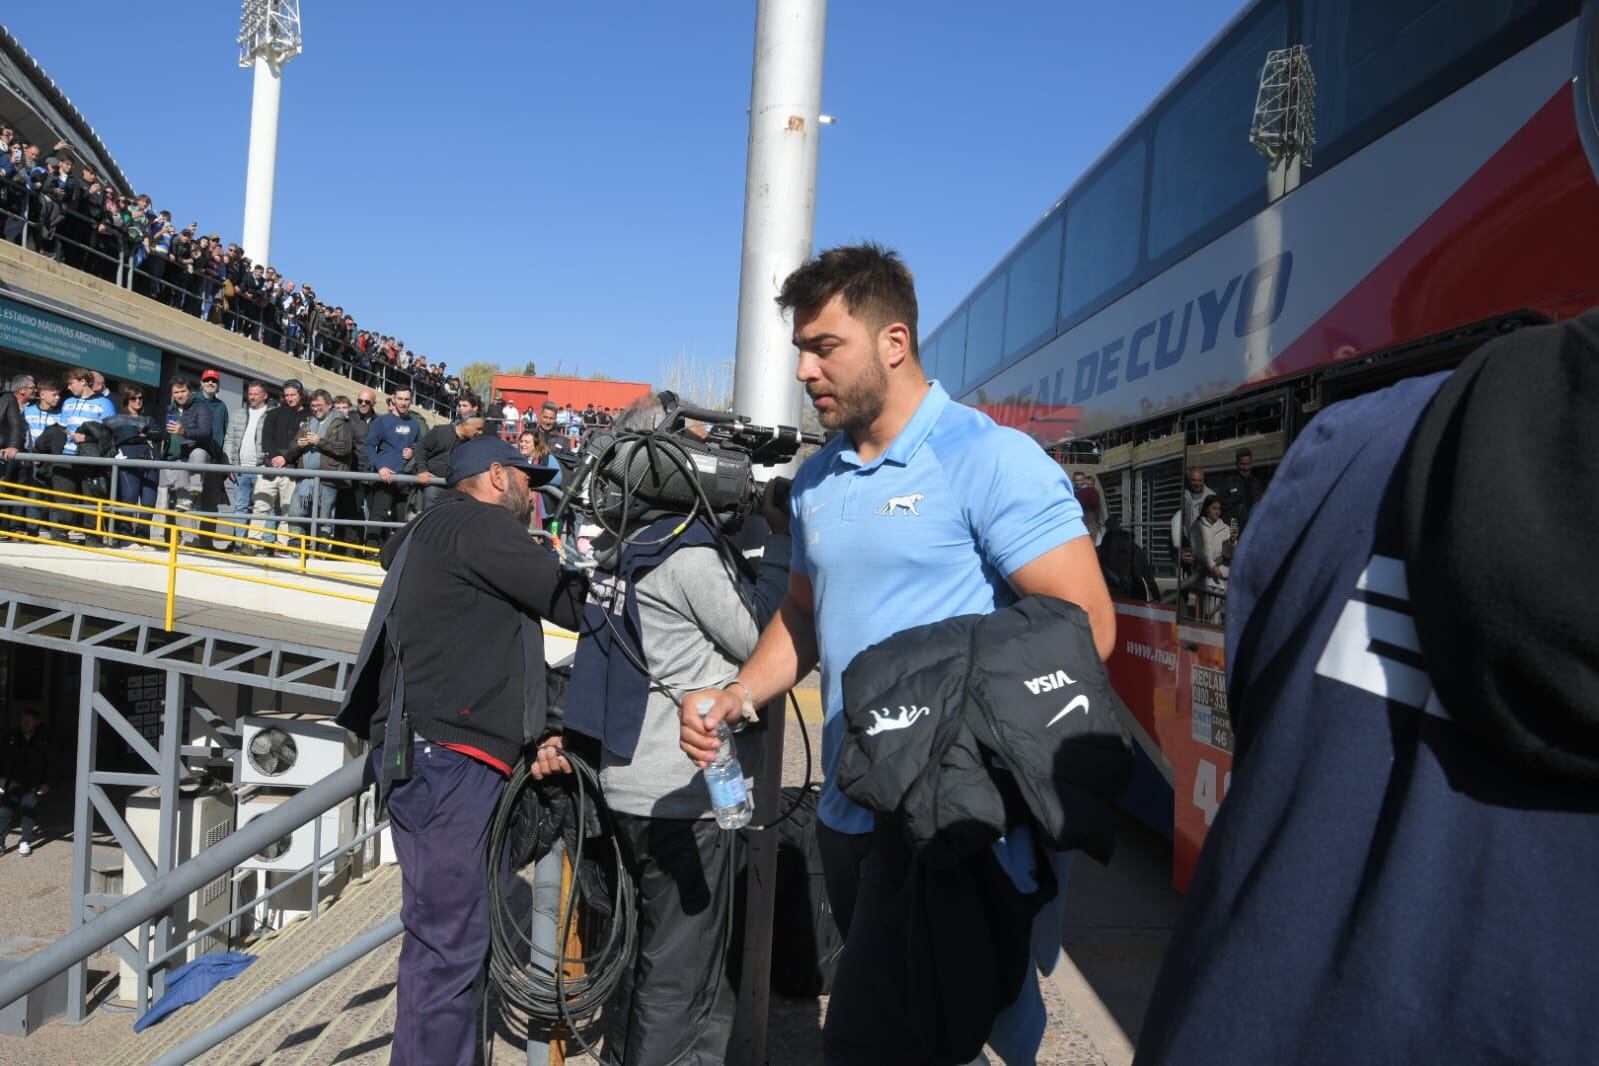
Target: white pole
{"x":263,"y":160}
{"x":779,"y":202}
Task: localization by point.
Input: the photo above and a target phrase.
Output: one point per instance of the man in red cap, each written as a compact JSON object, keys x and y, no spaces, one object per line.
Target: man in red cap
{"x":210,"y":385}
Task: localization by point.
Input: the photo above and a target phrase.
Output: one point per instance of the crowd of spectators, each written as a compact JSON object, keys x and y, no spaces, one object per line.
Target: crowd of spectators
{"x":288,"y":428}
{"x":52,"y":203}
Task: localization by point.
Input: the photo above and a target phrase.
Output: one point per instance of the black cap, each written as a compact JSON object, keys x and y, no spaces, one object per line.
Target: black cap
{"x":477,"y":455}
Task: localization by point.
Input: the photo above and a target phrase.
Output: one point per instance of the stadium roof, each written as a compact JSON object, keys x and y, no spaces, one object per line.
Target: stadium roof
{"x":36,"y":108}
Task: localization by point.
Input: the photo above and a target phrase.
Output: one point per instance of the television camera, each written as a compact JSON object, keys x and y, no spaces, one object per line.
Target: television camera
{"x":690,"y":462}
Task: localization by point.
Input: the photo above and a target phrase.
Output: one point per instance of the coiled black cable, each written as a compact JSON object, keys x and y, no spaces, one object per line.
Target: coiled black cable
{"x":539,"y":986}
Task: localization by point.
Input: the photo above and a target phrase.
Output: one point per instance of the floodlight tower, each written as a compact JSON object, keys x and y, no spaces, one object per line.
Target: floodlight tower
{"x":269,"y":36}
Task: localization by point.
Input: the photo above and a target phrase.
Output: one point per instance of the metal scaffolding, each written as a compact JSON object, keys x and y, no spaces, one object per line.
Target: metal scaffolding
{"x":100,"y":636}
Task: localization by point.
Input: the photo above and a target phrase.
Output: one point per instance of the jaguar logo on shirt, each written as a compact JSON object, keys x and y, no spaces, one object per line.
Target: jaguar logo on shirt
{"x":885,"y":720}
{"x":902,"y":505}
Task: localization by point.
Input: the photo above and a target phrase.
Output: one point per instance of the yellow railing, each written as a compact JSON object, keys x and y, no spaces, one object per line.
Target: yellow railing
{"x":304,"y":549}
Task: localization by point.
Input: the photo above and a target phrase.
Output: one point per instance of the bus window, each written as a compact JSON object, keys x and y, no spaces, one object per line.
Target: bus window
{"x":1206,"y":173}
{"x":985,"y":329}
{"x":1034,"y":293}
{"x":952,"y":352}
{"x":1379,"y":62}
{"x":1104,"y":225}
{"x":1160,"y":495}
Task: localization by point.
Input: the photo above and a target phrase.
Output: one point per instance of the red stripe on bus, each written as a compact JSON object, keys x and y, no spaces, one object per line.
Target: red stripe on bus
{"x":1517,"y":235}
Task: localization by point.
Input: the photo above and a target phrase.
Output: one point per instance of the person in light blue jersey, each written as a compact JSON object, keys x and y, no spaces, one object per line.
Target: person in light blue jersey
{"x":919,"y":510}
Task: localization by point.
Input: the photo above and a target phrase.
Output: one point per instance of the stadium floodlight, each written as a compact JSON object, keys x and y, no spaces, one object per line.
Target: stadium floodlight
{"x":269,"y":36}
{"x":1284,"y":123}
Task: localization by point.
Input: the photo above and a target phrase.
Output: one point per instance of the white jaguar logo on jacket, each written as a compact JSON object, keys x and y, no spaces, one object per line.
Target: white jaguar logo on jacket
{"x":903,"y":505}
{"x":885,"y":720}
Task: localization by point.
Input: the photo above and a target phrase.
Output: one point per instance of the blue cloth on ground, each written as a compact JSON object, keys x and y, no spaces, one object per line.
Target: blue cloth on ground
{"x":190,"y":982}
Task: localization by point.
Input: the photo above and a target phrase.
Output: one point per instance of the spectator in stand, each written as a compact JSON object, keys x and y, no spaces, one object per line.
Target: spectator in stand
{"x":244,"y":447}
{"x":531,"y":443}
{"x":13,"y":426}
{"x":280,"y":429}
{"x":512,"y":416}
{"x":42,"y":413}
{"x":52,"y":213}
{"x":210,"y":385}
{"x":24,"y":778}
{"x":555,"y":438}
{"x":323,"y":444}
{"x":137,"y":436}
{"x":431,"y":462}
{"x":84,"y":406}
{"x":389,"y":447}
{"x":18,"y":394}
{"x":354,"y":496}
{"x":494,"y":413}
{"x":1241,"y":491}
{"x":188,"y":429}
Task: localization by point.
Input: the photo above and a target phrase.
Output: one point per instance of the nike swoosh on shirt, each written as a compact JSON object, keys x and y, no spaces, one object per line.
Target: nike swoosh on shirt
{"x":1078,"y":704}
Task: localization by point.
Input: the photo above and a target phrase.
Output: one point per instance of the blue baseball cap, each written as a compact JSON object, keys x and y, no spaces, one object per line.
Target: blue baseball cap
{"x":477,"y":455}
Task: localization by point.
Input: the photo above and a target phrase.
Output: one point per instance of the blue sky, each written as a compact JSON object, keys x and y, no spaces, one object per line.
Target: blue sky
{"x":563,"y":183}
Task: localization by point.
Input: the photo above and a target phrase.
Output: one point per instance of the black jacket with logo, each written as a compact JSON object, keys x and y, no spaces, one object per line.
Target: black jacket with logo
{"x":932,"y":709}
{"x":963,"y":731}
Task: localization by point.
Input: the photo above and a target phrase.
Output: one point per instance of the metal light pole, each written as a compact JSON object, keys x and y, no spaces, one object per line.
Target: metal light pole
{"x":269,"y":36}
{"x":779,"y":212}
{"x":779,"y":201}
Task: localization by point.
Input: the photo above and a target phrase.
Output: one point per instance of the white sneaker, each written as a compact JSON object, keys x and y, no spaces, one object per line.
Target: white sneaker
{"x":25,"y":848}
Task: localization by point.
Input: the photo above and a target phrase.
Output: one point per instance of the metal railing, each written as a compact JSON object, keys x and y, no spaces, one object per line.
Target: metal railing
{"x":115,"y":525}
{"x":160,"y":896}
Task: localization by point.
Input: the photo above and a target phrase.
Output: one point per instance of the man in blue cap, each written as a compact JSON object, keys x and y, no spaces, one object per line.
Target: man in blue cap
{"x":453,"y":666}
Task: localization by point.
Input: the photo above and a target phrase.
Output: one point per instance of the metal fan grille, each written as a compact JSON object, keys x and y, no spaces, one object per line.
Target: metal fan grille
{"x":273,"y":752}
{"x":275,"y":850}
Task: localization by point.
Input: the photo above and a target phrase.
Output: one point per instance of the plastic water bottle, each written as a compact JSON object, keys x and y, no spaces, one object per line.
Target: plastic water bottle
{"x":730,"y":796}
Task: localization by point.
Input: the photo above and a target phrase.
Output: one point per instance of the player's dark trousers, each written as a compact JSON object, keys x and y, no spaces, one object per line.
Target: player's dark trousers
{"x":867,"y":1013}
{"x":440,"y":822}
{"x":675,"y":1003}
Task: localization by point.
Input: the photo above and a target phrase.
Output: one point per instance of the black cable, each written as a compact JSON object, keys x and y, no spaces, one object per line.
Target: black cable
{"x":540,"y":988}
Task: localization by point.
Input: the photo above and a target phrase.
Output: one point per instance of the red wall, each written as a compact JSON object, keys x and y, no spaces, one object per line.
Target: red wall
{"x":529,"y":393}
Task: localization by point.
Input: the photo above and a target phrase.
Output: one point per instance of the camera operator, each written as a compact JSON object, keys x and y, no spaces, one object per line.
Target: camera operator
{"x":675,"y":606}
{"x":458,"y":622}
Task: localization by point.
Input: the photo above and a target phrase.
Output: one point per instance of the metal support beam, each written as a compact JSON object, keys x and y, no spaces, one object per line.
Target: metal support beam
{"x":194,"y":650}
{"x":82,"y":828}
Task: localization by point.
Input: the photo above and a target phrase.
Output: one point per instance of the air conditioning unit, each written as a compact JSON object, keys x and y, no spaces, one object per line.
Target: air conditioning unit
{"x":205,"y":817}
{"x":296,"y":849}
{"x":283,"y":752}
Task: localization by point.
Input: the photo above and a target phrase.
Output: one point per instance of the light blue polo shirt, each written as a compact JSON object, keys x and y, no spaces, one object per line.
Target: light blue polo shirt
{"x":929,"y":530}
